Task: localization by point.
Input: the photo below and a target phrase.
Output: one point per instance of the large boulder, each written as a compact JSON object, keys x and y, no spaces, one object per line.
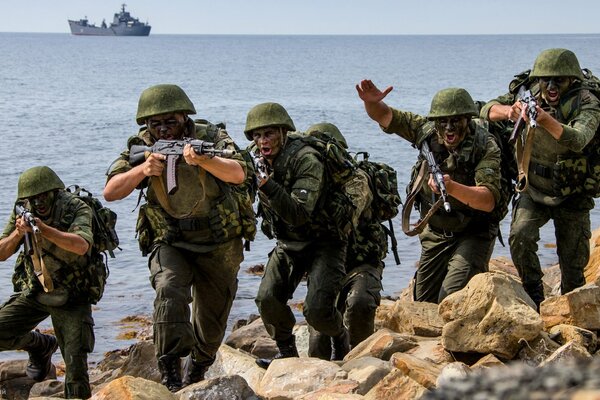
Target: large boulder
{"x":130,"y":388}
{"x":288,"y":378}
{"x":580,"y":307}
{"x":414,"y":318}
{"x":232,"y":361}
{"x":492,"y":314}
{"x":232,"y":387}
{"x":382,"y":344}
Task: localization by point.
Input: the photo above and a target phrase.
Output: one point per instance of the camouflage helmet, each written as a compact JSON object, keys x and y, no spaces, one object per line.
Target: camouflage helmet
{"x":450,"y":102}
{"x":163,"y":99}
{"x":267,"y":114}
{"x":38,"y":180}
{"x":556,"y":62}
{"x":327,"y":127}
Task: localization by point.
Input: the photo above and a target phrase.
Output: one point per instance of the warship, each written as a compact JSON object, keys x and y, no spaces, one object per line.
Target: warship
{"x":123,"y":25}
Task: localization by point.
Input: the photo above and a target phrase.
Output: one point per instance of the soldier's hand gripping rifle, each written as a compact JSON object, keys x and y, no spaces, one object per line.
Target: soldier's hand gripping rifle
{"x":173,"y":149}
{"x":522,"y":135}
{"x":436,"y":173}
{"x":32,"y":248}
{"x":261,"y":167}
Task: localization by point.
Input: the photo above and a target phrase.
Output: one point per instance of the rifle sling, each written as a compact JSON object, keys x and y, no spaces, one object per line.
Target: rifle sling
{"x":39,"y":267}
{"x":523,"y":158}
{"x":410,"y":200}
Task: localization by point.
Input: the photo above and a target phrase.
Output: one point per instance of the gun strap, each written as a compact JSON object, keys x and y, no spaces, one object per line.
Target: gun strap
{"x":410,"y":200}
{"x":39,"y":267}
{"x":524,"y":147}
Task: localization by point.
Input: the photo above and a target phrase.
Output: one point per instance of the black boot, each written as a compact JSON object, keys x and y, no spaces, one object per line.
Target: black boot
{"x":287,"y":348}
{"x":340,"y":346}
{"x":40,"y":355}
{"x":194,"y":372}
{"x":319,"y":345}
{"x":535,"y":290}
{"x":170,"y":372}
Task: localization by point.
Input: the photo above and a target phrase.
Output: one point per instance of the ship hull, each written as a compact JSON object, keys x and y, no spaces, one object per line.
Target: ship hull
{"x":78,"y":29}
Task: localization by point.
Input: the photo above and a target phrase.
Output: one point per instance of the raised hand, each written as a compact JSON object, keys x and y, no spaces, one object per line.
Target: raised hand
{"x":369,"y":93}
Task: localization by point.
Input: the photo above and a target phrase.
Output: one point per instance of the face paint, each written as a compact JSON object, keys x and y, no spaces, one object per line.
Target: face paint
{"x":553,"y":87}
{"x":167,"y":126}
{"x":452,"y":130}
{"x":269,"y":141}
{"x":42,"y":204}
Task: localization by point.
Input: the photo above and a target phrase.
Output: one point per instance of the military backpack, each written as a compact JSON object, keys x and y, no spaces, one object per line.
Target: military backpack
{"x":104,"y":221}
{"x":383,"y":183}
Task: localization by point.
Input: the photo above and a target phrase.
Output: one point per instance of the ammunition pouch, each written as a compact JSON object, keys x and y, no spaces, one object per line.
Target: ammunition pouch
{"x":154,"y":226}
{"x":592,"y":181}
{"x":569,"y":176}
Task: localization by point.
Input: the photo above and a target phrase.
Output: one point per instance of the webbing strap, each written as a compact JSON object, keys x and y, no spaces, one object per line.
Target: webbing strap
{"x":524,"y":147}
{"x":410,"y":200}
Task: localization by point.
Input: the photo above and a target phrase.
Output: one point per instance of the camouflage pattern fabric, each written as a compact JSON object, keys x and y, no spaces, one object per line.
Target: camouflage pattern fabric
{"x":70,"y":271}
{"x":227,"y":207}
{"x":74,"y":329}
{"x":455,"y":245}
{"x":557,"y":185}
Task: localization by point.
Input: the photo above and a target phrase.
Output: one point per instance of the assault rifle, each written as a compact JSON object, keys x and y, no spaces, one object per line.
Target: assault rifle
{"x":524,"y":137}
{"x":32,"y":249}
{"x":436,"y":172}
{"x":173,"y":149}
{"x":261,"y":166}
{"x":529,"y":106}
{"x":28,"y":217}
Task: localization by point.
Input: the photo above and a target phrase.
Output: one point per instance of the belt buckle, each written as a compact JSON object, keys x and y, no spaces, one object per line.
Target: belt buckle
{"x":447,"y":235}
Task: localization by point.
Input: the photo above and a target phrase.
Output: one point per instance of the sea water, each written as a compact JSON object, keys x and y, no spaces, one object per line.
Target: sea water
{"x":70,"y":102}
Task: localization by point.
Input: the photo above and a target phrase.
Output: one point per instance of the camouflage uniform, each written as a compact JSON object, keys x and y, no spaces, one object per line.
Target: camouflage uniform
{"x":72,"y":322}
{"x":288,"y":203}
{"x":457,"y":245}
{"x":193,"y":244}
{"x":360,"y":294}
{"x":555,"y":191}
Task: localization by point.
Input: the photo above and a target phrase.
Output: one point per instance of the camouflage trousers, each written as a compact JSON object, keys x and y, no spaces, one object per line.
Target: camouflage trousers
{"x":449,"y":260}
{"x":357,"y":301}
{"x":572,"y":231}
{"x":208,"y":281}
{"x":74,"y":329}
{"x":323,"y":263}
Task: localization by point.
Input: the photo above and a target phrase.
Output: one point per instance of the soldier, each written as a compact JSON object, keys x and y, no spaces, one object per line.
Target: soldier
{"x":361,"y":290}
{"x":45,"y":279}
{"x":458,"y":244}
{"x":193,"y":236}
{"x":289,"y":200}
{"x":567,"y":119}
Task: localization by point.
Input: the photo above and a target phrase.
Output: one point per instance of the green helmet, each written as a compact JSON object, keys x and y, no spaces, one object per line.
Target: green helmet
{"x":327,"y":127}
{"x":163,"y":99}
{"x":556,"y":62}
{"x":450,"y":102}
{"x":38,"y":180}
{"x":267,"y":114}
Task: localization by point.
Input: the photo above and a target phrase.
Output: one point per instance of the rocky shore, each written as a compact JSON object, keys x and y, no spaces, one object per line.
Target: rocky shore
{"x":484,"y":342}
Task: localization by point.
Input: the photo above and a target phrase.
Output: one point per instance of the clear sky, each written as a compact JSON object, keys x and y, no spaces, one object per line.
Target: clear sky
{"x":315,"y":16}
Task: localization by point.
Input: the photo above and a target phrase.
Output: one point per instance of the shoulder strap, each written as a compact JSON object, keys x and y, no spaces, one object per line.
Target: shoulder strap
{"x":410,"y":200}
